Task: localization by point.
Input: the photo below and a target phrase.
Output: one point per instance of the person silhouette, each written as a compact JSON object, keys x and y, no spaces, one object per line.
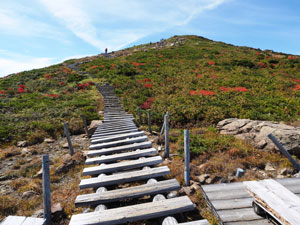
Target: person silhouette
{"x":106,"y":51}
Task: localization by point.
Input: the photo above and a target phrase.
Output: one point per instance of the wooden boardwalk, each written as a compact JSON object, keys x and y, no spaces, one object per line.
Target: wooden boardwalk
{"x":232,"y":203}
{"x":120,"y":154}
{"x":22,"y":220}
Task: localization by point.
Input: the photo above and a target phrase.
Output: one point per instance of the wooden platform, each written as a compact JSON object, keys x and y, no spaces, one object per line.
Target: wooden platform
{"x":232,"y":203}
{"x":22,"y":220}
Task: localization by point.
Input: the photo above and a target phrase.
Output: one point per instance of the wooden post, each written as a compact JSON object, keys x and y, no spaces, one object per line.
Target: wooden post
{"x":85,"y":125}
{"x":68,"y":138}
{"x":149,"y":120}
{"x":187,"y":157}
{"x":140,"y":116}
{"x":284,"y":152}
{"x":46,"y":189}
{"x":167,"y":149}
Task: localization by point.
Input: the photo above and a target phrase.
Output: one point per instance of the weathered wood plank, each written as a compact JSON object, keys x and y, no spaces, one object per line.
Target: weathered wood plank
{"x":34,"y":221}
{"x":237,"y":215}
{"x":22,"y":220}
{"x":114,"y":129}
{"x":13,"y":220}
{"x":118,"y":143}
{"x":117,"y":137}
{"x":121,"y":156}
{"x":124,"y":165}
{"x":135,"y":212}
{"x":278,"y":200}
{"x":252,"y":222}
{"x":237,"y":185}
{"x":113,"y":133}
{"x":112,"y":150}
{"x":198,"y":222}
{"x":243,"y":193}
{"x":127,"y":193}
{"x":124,"y":177}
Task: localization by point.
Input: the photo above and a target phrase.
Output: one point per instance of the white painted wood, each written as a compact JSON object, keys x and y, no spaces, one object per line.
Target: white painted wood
{"x":117,"y":137}
{"x":124,"y":165}
{"x":118,"y":143}
{"x":112,"y":150}
{"x":115,"y":129}
{"x":34,"y":221}
{"x":121,"y":156}
{"x":134,"y":212}
{"x":278,"y":200}
{"x":199,"y":222}
{"x":124,"y":177}
{"x":127,"y":193}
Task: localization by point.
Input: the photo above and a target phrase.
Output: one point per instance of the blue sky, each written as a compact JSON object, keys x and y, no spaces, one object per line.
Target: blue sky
{"x":37,"y":33}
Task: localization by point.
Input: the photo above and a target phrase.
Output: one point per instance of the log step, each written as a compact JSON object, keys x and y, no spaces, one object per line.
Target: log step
{"x":113,"y":133}
{"x":118,"y":143}
{"x":117,"y":137}
{"x":127,"y":193}
{"x":121,"y":156}
{"x":112,"y":150}
{"x":125,"y":165}
{"x":135,"y":212}
{"x":124,"y":177}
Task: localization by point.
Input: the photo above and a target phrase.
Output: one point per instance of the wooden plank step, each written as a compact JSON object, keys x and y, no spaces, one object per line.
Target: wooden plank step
{"x":124,"y":165}
{"x":114,"y":133}
{"x":121,"y":156}
{"x":114,"y":129}
{"x":106,"y":125}
{"x":135,"y":212}
{"x":118,"y":143}
{"x":252,"y":222}
{"x":112,"y":150}
{"x":124,"y":177}
{"x":243,"y":193}
{"x":22,"y":220}
{"x":117,"y":137}
{"x":238,"y":215}
{"x":198,"y":222}
{"x":127,"y":193}
{"x":114,"y":126}
{"x":278,"y":200}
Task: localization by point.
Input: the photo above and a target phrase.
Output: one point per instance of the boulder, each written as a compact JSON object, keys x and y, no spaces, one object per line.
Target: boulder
{"x":256,"y":133}
{"x":69,"y":162}
{"x":28,"y":194}
{"x":93,"y":126}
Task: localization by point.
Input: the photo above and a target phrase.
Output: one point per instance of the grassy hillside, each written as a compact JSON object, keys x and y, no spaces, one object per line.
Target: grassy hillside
{"x":199,"y":81}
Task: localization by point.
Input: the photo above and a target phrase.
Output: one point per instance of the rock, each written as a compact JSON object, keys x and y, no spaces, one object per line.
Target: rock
{"x":93,"y":126}
{"x":280,"y":176}
{"x":57,"y":212}
{"x":256,"y":132}
{"x":186,"y":190}
{"x":87,"y":210}
{"x":269,"y":167}
{"x":39,"y":174}
{"x":69,"y":162}
{"x":213,"y":179}
{"x":49,"y":140}
{"x":28,"y":194}
{"x":38,"y":214}
{"x":65,"y":145}
{"x":56,"y":208}
{"x":195,"y":187}
{"x":25,"y":151}
{"x":22,"y":144}
{"x":283,"y":171}
{"x":202,"y":178}
{"x":173,"y":194}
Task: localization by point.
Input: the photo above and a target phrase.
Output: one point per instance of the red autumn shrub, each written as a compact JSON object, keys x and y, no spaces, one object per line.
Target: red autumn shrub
{"x":240,"y":89}
{"x":51,"y":96}
{"x":2,"y":92}
{"x":148,"y":85}
{"x":291,"y":57}
{"x":261,"y":65}
{"x":211,"y":63}
{"x":62,"y":83}
{"x":22,"y":86}
{"x":21,"y":90}
{"x":257,"y":53}
{"x":148,"y":103}
{"x":205,"y":92}
{"x":224,"y":89}
{"x":295,"y":80}
{"x":214,"y":76}
{"x":193,"y":92}
{"x":138,"y":64}
{"x":199,"y":75}
{"x":147,"y":80}
{"x":297,"y":87}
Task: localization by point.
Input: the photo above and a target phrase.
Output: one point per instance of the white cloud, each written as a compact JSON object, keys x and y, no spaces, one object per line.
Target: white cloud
{"x":19,"y":20}
{"x":117,"y":23}
{"x":22,"y":63}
